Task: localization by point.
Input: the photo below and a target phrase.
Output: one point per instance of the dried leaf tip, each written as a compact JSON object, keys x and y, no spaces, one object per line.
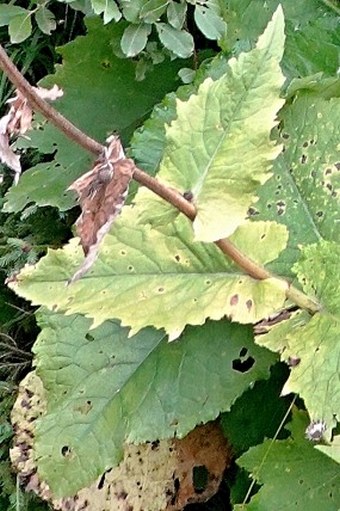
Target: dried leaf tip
{"x":102,"y":192}
{"x":17,"y":121}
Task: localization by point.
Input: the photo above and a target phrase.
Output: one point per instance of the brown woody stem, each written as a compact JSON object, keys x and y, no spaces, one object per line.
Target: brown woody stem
{"x":168,"y":194}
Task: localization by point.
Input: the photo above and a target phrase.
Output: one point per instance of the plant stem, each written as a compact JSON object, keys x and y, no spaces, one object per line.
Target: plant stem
{"x":170,"y":195}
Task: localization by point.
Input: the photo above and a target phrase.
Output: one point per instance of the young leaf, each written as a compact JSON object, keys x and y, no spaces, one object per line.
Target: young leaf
{"x":7,"y":12}
{"x":131,"y":10}
{"x":228,"y":124}
{"x":104,"y":389}
{"x":186,"y":74}
{"x":109,"y":8}
{"x":176,"y":14}
{"x":152,"y":10}
{"x":134,"y":39}
{"x":312,"y":340}
{"x":292,"y":473}
{"x":45,"y":20}
{"x":20,"y":27}
{"x":180,"y":42}
{"x":162,"y":278}
{"x":209,"y":23}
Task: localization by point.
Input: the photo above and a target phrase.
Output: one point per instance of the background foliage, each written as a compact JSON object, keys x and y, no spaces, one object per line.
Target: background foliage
{"x":169,"y":76}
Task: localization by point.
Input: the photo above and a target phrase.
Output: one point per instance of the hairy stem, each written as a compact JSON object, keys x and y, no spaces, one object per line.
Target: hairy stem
{"x":168,"y":194}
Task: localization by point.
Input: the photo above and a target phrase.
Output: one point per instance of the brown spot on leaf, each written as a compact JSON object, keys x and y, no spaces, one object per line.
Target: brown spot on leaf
{"x":249,"y":304}
{"x":234,"y":300}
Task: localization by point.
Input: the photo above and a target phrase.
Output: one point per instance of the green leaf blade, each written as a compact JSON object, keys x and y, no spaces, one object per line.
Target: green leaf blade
{"x":104,"y":389}
{"x":209,"y":23}
{"x":314,"y":340}
{"x":292,"y":474}
{"x":45,"y":20}
{"x":134,"y":39}
{"x":155,"y":269}
{"x":180,"y":42}
{"x":20,"y":27}
{"x":228,"y":123}
{"x":176,"y":14}
{"x":108,"y":8}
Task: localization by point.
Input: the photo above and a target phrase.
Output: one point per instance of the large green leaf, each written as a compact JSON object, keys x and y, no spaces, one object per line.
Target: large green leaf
{"x":219,"y":146}
{"x":146,"y":276}
{"x":314,"y":341}
{"x":313,"y":38}
{"x":104,"y":388}
{"x":294,"y":474}
{"x":100,"y":96}
{"x":304,"y":192}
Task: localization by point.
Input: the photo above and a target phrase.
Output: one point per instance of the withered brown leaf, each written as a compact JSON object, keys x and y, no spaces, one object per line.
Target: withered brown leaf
{"x":102,"y":192}
{"x":16,"y":122}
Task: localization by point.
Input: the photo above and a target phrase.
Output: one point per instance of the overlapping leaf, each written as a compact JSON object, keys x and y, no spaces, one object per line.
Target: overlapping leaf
{"x":162,"y":278}
{"x":104,"y":389}
{"x":304,"y":192}
{"x":294,"y":474}
{"x":313,"y":342}
{"x":98,"y":88}
{"x":313,"y":37}
{"x":219,"y":146}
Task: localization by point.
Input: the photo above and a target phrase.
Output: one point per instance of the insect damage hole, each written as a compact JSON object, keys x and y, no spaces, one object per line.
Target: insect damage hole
{"x":66,"y":451}
{"x":200,"y":478}
{"x":244,"y":363}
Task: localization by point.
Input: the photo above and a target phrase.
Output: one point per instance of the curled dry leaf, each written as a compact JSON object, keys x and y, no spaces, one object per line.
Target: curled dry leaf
{"x":156,"y":476}
{"x":102,"y":192}
{"x":17,"y":121}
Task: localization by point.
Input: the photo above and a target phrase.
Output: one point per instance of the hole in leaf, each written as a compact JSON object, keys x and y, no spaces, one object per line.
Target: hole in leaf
{"x":160,"y":289}
{"x":200,"y":477}
{"x":177,"y":257}
{"x":208,"y":282}
{"x":89,"y":337}
{"x":328,"y":171}
{"x":337,"y":165}
{"x":101,"y":481}
{"x":106,"y":64}
{"x":305,"y":144}
{"x":263,"y":236}
{"x":130,"y":268}
{"x":155,"y":445}
{"x":122,"y":252}
{"x":242,"y":366}
{"x":319,"y":213}
{"x":253,"y":212}
{"x":294,"y":361}
{"x":65,"y":451}
{"x":243,"y":352}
